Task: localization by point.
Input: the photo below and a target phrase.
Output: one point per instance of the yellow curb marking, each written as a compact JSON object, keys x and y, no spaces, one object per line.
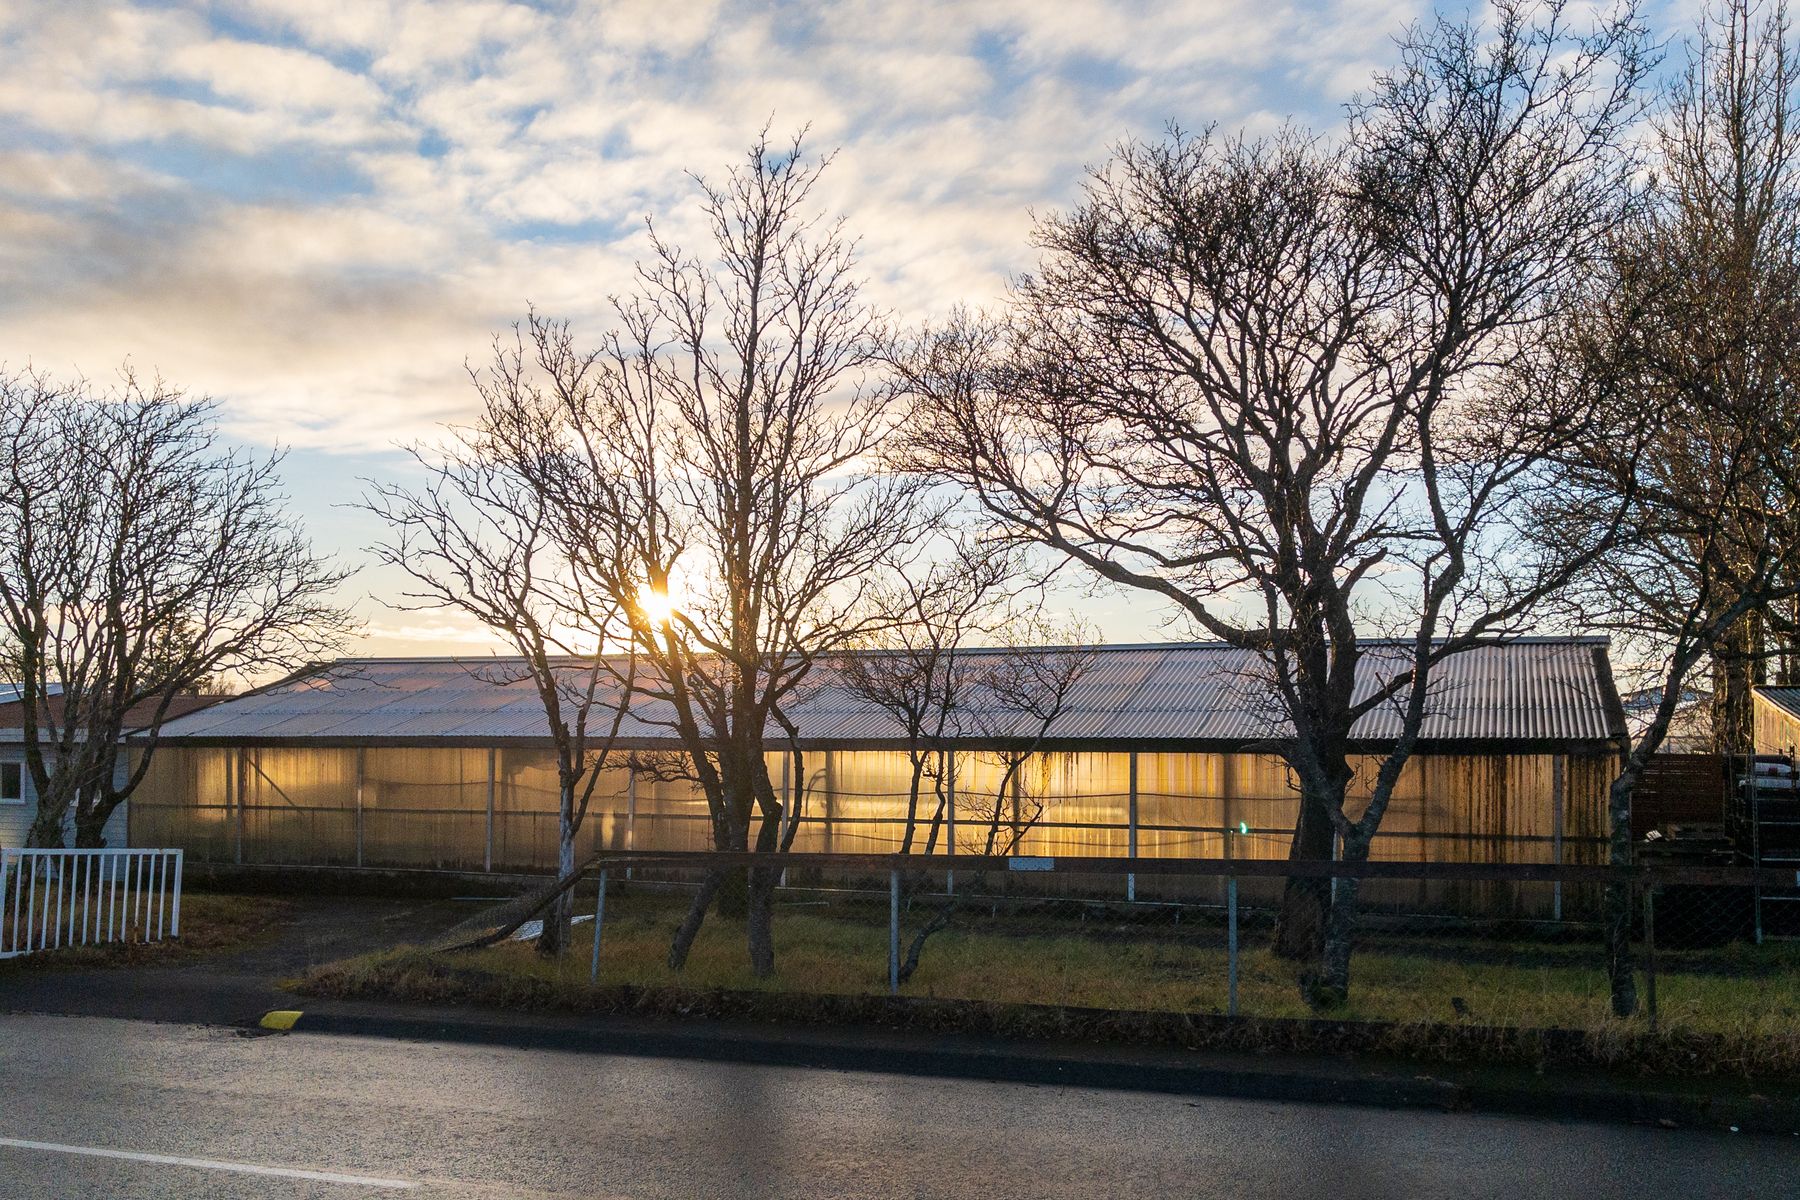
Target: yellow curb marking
{"x":281,"y":1018}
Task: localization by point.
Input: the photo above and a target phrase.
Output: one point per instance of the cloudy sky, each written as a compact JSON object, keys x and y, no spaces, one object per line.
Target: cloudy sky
{"x":315,"y":211}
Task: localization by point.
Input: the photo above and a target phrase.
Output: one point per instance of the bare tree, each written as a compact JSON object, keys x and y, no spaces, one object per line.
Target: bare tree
{"x":1271,"y":383}
{"x":707,"y":471}
{"x":478,"y":538}
{"x":915,"y":669}
{"x":1008,"y":699}
{"x":140,"y":558}
{"x":1694,"y":324}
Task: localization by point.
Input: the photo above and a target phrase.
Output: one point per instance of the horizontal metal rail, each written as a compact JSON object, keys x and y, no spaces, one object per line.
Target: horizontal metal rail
{"x":1219,"y":867}
{"x":53,"y":898}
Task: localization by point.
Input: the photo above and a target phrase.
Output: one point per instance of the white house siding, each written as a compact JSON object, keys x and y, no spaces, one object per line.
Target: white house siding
{"x":16,"y":816}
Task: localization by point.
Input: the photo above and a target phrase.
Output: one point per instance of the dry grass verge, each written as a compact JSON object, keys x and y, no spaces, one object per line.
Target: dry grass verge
{"x":1730,"y":1011}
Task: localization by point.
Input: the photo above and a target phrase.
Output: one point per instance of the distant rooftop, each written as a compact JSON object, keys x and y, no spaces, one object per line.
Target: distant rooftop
{"x":138,"y":716}
{"x":1785,"y":698}
{"x":1541,"y":692}
{"x":10,"y":692}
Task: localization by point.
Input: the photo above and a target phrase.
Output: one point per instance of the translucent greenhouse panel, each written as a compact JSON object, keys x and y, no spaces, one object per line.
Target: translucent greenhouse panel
{"x":299,"y":805}
{"x":611,"y":814}
{"x":1081,"y":803}
{"x":808,"y":788}
{"x":1181,"y":806}
{"x":672,"y":815}
{"x":867,"y":808}
{"x":1406,"y":834}
{"x":185,"y":801}
{"x":525,"y":810}
{"x":425,"y":807}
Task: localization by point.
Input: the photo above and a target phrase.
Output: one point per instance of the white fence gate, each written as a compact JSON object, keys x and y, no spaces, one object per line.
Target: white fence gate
{"x":52,"y":898}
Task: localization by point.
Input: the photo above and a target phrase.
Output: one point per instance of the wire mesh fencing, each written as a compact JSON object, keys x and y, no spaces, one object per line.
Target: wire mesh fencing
{"x":1475,"y":945}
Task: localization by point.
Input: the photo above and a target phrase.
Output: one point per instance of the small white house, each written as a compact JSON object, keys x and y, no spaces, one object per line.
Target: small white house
{"x":18,"y":798}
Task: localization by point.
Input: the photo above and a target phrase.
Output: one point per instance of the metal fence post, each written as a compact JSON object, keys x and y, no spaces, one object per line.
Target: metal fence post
{"x":599,"y":920}
{"x":894,"y":932}
{"x":8,"y":891}
{"x":487,"y":853}
{"x":630,"y":815}
{"x":1231,"y":946}
{"x":361,"y":775}
{"x":950,"y":817}
{"x":1131,"y":828}
{"x":238,"y":850}
{"x":1650,"y":953}
{"x":1558,"y":783}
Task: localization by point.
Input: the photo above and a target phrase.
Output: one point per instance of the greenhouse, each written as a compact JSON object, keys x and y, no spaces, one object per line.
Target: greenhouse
{"x":1161,"y":751}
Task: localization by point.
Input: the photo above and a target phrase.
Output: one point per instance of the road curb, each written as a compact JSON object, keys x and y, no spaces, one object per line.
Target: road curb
{"x":1208,"y":1075}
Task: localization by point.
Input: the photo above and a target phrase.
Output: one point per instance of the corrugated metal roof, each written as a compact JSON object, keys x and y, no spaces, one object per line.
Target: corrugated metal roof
{"x":1785,"y":698}
{"x":1527,"y":690}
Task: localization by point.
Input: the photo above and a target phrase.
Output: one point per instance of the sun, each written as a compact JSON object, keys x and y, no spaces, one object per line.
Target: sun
{"x":657,"y":605}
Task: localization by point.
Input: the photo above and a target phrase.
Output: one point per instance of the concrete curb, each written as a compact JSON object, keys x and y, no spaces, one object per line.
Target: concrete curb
{"x":1182,"y":1073}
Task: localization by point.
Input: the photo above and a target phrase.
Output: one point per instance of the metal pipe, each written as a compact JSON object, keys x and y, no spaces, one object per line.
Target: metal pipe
{"x":894,"y":932}
{"x":1557,"y":769}
{"x":1650,"y":953}
{"x":950,"y":817}
{"x":361,"y":776}
{"x":175,"y":917}
{"x":1231,"y":946}
{"x":599,"y":920}
{"x":630,"y":814}
{"x":487,"y":854}
{"x":1131,"y":828}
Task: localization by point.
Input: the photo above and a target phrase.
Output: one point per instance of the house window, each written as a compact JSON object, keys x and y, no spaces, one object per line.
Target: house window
{"x":12,"y":781}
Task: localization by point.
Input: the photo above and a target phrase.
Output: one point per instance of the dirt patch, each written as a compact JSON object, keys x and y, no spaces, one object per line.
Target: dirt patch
{"x":211,"y":923}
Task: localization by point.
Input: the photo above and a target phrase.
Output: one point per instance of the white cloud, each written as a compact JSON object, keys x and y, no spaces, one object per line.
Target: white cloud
{"x":318,"y":211}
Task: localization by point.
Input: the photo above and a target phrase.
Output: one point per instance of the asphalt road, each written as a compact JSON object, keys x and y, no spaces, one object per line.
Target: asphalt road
{"x":475,"y":1121}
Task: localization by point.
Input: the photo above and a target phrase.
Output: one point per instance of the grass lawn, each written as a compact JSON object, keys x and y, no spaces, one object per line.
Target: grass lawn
{"x":210,"y":922}
{"x":1745,"y":998}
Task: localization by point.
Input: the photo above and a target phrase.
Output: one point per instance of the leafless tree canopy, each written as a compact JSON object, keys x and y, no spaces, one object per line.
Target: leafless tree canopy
{"x":478,"y":539}
{"x":705,"y":471}
{"x":140,"y":558}
{"x":1273,"y":382}
{"x":1693,"y":322}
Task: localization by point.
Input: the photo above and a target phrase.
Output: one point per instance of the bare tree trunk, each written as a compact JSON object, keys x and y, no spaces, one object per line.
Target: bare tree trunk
{"x":1737,"y":664}
{"x":555,"y":937}
{"x":90,"y":827}
{"x":46,"y":831}
{"x":939,"y":921}
{"x":912,"y":801}
{"x":696,"y":915}
{"x":1617,"y":902}
{"x":1306,"y":902}
{"x":1332,"y":985}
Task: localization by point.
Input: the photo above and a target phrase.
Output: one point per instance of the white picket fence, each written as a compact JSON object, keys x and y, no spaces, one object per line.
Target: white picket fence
{"x":54,"y":898}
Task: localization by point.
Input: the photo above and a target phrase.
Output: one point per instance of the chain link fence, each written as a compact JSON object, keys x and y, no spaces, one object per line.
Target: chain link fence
{"x":1489,"y":946}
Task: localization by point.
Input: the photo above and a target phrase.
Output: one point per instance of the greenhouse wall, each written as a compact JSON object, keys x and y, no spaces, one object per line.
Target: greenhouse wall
{"x":495,"y":809}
